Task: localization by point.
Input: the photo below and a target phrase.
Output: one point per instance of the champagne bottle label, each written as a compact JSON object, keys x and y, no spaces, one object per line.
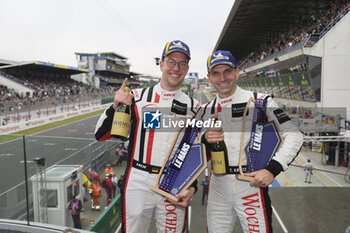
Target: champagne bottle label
{"x":120,"y":124}
{"x":218,"y":162}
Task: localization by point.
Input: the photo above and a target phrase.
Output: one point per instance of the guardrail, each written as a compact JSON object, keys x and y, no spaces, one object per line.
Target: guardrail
{"x":94,"y":154}
{"x":326,"y":139}
{"x":109,"y":218}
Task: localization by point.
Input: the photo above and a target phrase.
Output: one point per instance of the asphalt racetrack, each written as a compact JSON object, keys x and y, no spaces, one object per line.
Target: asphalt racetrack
{"x":67,"y":144}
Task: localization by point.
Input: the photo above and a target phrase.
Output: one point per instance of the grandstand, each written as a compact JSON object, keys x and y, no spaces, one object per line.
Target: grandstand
{"x":297,"y":51}
{"x":30,"y":78}
{"x":30,"y":90}
{"x":294,"y":50}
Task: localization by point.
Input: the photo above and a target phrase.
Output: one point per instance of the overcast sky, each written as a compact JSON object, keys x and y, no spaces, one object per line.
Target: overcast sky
{"x":53,"y":30}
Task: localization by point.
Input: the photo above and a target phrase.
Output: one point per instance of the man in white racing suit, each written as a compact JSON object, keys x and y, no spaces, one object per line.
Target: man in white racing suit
{"x":229,"y":197}
{"x":148,"y":148}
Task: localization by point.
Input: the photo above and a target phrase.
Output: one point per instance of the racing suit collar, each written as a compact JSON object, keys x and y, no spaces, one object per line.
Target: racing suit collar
{"x":228,"y":100}
{"x":164,"y":94}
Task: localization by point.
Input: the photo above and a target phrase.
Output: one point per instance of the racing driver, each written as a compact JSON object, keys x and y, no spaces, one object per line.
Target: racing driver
{"x":229,"y":197}
{"x":148,"y":148}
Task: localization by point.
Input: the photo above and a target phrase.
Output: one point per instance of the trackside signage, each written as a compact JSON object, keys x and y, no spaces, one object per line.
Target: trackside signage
{"x":15,"y":127}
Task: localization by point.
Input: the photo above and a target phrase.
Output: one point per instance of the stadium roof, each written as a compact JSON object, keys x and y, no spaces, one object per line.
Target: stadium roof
{"x":102,"y":54}
{"x":46,"y":66}
{"x":252,"y":23}
{"x":4,"y":62}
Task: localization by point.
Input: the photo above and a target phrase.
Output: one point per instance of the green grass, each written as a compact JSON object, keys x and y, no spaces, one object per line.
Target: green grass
{"x":27,"y":132}
{"x":6,"y":138}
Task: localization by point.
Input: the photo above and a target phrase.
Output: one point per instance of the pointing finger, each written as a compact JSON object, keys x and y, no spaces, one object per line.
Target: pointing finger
{"x":122,"y":88}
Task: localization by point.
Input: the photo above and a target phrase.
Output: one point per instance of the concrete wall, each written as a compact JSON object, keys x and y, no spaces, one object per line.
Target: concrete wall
{"x":334,"y":48}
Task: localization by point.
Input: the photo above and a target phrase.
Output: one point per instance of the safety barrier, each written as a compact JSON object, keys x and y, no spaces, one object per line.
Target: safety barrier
{"x":109,"y":218}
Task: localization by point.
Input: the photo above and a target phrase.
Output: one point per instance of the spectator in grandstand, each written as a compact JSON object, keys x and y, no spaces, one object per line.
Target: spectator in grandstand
{"x":48,"y":90}
{"x":314,"y":23}
{"x":75,"y":206}
{"x":228,"y":196}
{"x":149,"y":153}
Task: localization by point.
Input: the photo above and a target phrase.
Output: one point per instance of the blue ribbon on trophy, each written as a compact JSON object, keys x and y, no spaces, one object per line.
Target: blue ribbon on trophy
{"x":183,"y":168}
{"x":265,"y":139}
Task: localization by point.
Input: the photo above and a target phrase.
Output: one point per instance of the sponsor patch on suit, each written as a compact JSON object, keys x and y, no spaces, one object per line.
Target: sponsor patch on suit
{"x":238,"y":110}
{"x":281,"y":116}
{"x":179,"y":108}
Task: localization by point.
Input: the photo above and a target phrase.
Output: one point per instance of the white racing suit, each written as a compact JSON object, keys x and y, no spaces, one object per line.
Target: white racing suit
{"x":229,"y":197}
{"x":148,"y":149}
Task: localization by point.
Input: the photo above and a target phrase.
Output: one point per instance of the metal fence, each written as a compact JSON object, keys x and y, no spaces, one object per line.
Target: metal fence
{"x":15,"y":153}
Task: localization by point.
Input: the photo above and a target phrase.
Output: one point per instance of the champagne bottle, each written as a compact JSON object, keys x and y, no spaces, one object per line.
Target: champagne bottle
{"x":219,"y":157}
{"x":121,"y":120}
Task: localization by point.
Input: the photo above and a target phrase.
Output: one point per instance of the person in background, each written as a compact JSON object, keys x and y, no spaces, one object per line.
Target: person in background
{"x":120,"y":183}
{"x":308,"y":168}
{"x":148,"y":147}
{"x":94,"y":175}
{"x":108,"y":170}
{"x":120,"y":155}
{"x":115,"y":184}
{"x":75,"y":206}
{"x":347,"y":230}
{"x":205,"y":184}
{"x":95,"y":194}
{"x":109,"y":189}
